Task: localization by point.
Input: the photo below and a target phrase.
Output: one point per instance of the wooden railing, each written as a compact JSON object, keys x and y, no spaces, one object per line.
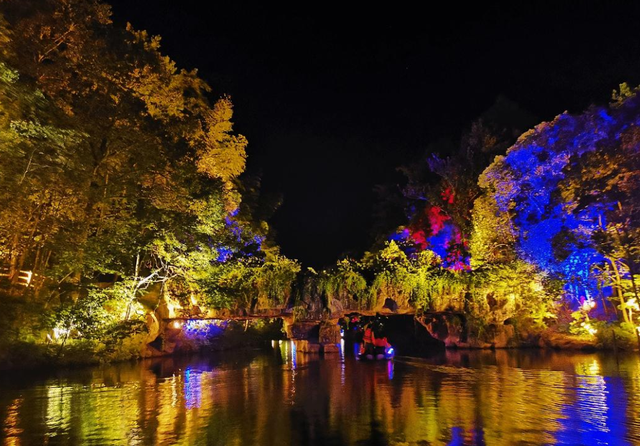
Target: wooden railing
{"x":25,"y":278}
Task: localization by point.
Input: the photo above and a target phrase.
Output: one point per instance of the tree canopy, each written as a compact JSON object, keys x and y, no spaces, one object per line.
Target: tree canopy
{"x":118,"y":167}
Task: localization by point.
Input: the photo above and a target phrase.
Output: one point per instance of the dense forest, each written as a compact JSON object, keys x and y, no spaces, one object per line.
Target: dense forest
{"x":124,"y":203}
{"x":119,"y":184}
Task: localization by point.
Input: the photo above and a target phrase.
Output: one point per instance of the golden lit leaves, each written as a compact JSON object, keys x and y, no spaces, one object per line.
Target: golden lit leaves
{"x":150,"y":44}
{"x":226,"y":160}
{"x":220,"y":154}
{"x":165,"y":192}
{"x":166,"y":92}
{"x":273,"y":280}
{"x":492,"y":236}
{"x":211,"y":213}
{"x":393,"y":253}
{"x":58,"y":47}
{"x":114,"y":161}
{"x":4,"y":36}
{"x":625,"y":92}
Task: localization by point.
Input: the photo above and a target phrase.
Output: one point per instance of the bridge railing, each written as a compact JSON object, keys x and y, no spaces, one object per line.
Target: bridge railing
{"x":25,"y":278}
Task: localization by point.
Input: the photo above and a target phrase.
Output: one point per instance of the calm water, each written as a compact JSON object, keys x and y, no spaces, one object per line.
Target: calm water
{"x":278,"y":397}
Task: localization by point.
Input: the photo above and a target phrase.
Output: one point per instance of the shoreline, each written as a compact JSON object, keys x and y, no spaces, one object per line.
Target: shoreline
{"x":83,"y":359}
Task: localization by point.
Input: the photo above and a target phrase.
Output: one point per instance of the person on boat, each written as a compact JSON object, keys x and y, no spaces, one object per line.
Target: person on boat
{"x":381,"y":345}
{"x":368,"y":340}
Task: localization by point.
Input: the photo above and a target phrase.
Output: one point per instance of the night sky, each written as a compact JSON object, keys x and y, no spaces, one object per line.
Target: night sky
{"x":332,"y":101}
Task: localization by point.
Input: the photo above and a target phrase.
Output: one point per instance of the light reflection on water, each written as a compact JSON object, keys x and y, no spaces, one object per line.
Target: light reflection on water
{"x":281,"y":397}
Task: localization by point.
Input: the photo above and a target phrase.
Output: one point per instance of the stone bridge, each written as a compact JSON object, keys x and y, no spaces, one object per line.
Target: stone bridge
{"x":450,"y":329}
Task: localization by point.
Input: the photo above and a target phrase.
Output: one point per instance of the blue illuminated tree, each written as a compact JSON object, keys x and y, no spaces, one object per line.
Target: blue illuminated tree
{"x":569,"y":187}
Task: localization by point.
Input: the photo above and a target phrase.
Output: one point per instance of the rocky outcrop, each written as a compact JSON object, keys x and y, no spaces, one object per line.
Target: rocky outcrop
{"x":314,"y":336}
{"x":563,"y":341}
{"x":447,"y":328}
{"x":329,"y":332}
{"x":302,"y":330}
{"x":329,"y":336}
{"x":177,"y":336}
{"x":455,"y":331}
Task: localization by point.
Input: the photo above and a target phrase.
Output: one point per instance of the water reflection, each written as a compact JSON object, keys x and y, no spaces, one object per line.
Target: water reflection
{"x":289,"y":398}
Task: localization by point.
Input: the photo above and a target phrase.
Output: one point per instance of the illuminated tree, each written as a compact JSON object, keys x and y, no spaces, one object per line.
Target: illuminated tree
{"x":117,"y":168}
{"x":442,"y":191}
{"x":568,"y":188}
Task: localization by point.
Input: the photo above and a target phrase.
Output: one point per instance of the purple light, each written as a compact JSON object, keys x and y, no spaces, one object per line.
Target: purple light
{"x":204,"y":328}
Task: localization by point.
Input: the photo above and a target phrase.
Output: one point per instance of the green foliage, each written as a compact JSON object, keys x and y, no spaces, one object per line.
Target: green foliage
{"x":249,"y":284}
{"x":488,"y":295}
{"x":102,"y":316}
{"x":439,"y":290}
{"x":119,"y":180}
{"x":229,"y":285}
{"x":513,"y":290}
{"x":492,"y":237}
{"x":344,"y":283}
{"x":22,"y":320}
{"x":104,"y":158}
{"x":274,"y":279}
{"x":624,"y":92}
{"x":86,"y":317}
{"x":392,"y":276}
{"x":220,"y":154}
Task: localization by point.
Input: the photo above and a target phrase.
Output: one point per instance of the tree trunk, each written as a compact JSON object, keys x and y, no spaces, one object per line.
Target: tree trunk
{"x":13,"y":264}
{"x":618,"y":285}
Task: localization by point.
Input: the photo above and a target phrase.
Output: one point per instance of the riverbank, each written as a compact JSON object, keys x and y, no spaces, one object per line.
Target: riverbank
{"x":417,"y":339}
{"x":173,"y":342}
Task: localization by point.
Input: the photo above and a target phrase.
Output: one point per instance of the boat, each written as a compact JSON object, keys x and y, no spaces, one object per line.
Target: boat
{"x":388,"y":354}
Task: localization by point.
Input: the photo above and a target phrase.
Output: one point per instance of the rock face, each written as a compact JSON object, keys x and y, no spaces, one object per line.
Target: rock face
{"x":329,"y":336}
{"x":167,"y":336}
{"x":329,"y":332}
{"x":314,"y":337}
{"x":562,"y":341}
{"x":441,"y":329}
{"x":448,"y":329}
{"x":454,"y":331}
{"x":501,"y":336}
{"x":302,"y":330}
{"x":177,"y":337}
{"x":153,"y":328}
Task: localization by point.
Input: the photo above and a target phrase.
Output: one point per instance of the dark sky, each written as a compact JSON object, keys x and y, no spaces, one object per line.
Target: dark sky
{"x":332,"y":101}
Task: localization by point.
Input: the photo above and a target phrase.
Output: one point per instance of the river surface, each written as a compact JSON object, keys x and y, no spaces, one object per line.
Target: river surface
{"x":280,"y":397}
